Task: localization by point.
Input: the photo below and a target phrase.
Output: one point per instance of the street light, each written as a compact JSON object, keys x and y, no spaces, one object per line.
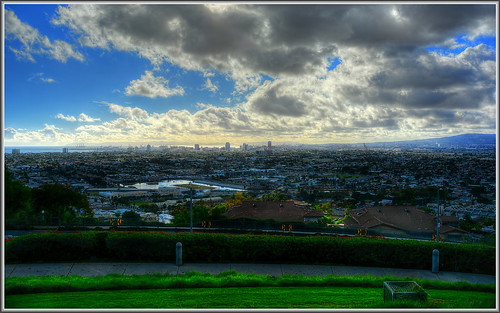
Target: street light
{"x":190,"y":208}
{"x":438,"y":226}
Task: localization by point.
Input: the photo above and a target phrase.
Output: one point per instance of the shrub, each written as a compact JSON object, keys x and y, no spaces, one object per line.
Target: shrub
{"x":204,"y":247}
{"x":54,"y":247}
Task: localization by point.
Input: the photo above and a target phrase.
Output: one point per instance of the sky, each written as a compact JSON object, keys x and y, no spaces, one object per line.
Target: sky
{"x":209,"y":73}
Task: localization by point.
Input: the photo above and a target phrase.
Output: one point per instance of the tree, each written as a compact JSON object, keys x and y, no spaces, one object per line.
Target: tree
{"x":238,"y":199}
{"x":149,"y":207}
{"x":17,"y":198}
{"x":181,"y":214}
{"x":59,"y":201}
{"x":217,"y":211}
{"x":130,"y":215}
{"x":325,"y":207}
{"x":274,"y":196}
{"x":467,"y":223}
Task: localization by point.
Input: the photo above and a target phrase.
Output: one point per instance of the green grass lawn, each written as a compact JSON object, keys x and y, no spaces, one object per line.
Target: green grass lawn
{"x":245,"y":297}
{"x":231,"y":290}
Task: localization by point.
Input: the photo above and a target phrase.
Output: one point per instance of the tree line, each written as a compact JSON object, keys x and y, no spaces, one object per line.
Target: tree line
{"x":52,"y":203}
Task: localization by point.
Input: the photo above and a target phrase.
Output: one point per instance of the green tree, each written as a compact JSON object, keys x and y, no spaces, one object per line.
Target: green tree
{"x":467,"y":223}
{"x":325,"y":207}
{"x":238,"y":199}
{"x":216,"y":212}
{"x":181,"y":214}
{"x":17,"y":198}
{"x":149,"y":207}
{"x":59,"y":201}
{"x":274,"y":196}
{"x":130,"y":215}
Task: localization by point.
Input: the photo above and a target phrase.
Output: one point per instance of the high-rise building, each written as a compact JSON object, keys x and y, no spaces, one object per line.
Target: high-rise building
{"x":244,"y":147}
{"x":16,"y":151}
{"x":269,"y":144}
{"x":196,"y":146}
{"x":65,"y":150}
{"x":228,"y":146}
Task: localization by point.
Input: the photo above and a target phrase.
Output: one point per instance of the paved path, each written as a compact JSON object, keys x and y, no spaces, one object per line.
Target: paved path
{"x":97,"y":269}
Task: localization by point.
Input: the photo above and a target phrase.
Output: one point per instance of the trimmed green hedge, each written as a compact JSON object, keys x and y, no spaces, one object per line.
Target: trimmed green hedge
{"x":160,"y":247}
{"x":55,"y":247}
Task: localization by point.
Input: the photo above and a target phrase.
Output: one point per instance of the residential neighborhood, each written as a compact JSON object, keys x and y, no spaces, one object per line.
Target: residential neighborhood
{"x":381,"y":189}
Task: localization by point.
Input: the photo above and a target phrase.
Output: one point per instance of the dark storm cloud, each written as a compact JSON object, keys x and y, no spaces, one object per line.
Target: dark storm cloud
{"x":270,"y":102}
{"x":466,"y":99}
{"x":283,"y":106}
{"x":405,"y":25}
{"x":295,"y":38}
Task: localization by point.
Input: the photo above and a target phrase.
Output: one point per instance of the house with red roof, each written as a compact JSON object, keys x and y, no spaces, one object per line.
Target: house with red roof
{"x":280,"y":211}
{"x":400,"y":220}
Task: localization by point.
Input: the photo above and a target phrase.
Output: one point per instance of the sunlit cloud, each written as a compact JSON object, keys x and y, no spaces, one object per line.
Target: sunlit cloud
{"x":152,"y":86}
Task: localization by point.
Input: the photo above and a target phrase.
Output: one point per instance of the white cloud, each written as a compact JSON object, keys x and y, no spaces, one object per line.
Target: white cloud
{"x":41,"y":77}
{"x":127,"y":112}
{"x":81,"y":118}
{"x":273,"y":40}
{"x":210,"y":86}
{"x":35,"y":43}
{"x":152,"y":87}
{"x":68,"y":118}
{"x":85,"y":118}
{"x":48,"y":80}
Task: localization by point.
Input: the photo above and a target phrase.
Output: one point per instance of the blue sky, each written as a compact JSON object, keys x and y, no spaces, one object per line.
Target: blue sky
{"x":99,"y":74}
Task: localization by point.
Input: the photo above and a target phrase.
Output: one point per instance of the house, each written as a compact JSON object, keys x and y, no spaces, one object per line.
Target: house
{"x":399,"y":220}
{"x":450,"y":220}
{"x":280,"y":211}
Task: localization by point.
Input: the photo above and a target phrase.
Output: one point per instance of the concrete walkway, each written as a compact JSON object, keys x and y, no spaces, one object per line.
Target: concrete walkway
{"x":98,"y":269}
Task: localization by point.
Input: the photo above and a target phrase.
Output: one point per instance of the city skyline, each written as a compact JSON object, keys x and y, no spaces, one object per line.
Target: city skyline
{"x":173,"y":74}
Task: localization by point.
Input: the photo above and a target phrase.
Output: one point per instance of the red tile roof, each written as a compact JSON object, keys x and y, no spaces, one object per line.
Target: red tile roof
{"x":282,"y":211}
{"x":407,"y":218}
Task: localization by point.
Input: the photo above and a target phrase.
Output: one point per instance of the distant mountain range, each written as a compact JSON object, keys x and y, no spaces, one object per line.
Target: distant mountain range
{"x":460,"y":141}
{"x":465,"y":140}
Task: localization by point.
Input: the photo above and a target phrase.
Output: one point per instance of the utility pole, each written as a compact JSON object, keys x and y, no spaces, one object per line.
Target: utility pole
{"x":190,"y":207}
{"x":437,"y":217}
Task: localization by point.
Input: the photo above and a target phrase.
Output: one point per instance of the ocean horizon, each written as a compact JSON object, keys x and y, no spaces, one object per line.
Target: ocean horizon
{"x":43,"y":149}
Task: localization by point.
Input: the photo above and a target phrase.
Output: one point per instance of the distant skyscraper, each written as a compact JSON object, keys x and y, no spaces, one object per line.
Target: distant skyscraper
{"x":65,"y":150}
{"x":269,"y":144}
{"x":228,"y":146}
{"x":148,"y":147}
{"x":245,"y":146}
{"x":196,"y":146}
{"x":16,"y":151}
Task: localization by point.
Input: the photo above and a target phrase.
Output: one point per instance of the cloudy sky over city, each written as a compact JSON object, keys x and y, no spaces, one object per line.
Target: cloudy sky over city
{"x":180,"y":74}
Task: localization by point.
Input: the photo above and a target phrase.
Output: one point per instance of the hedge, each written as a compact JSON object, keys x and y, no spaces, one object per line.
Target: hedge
{"x":203,"y":247}
{"x":55,"y":247}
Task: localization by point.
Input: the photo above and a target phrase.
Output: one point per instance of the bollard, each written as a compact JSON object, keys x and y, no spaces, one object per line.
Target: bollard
{"x":178,"y":254}
{"x":435,"y":261}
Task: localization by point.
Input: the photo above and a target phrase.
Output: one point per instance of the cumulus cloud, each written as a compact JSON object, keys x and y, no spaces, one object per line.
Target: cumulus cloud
{"x":81,"y":118}
{"x":68,"y":118}
{"x":210,"y":86}
{"x":9,"y":133}
{"x":35,"y":43}
{"x":272,"y":39}
{"x":85,"y":118}
{"x":128,"y":112}
{"x":152,"y":86}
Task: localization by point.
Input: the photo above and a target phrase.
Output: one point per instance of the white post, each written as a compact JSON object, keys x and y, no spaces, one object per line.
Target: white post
{"x":435,"y":261}
{"x":178,"y":254}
